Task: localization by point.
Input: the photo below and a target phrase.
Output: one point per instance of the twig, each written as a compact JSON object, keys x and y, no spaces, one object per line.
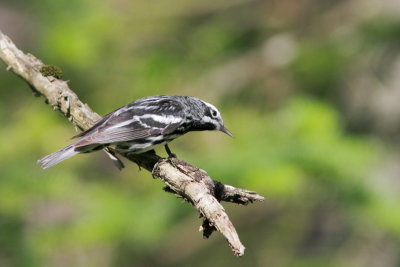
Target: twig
{"x":183,"y":179}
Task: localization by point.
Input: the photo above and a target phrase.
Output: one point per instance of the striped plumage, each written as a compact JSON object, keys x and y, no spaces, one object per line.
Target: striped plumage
{"x":143,"y":124}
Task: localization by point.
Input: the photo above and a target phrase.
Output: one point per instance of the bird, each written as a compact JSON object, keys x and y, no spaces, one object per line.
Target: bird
{"x":141,"y":125}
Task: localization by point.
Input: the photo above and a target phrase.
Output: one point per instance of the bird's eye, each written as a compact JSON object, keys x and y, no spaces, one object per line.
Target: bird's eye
{"x":214,"y":113}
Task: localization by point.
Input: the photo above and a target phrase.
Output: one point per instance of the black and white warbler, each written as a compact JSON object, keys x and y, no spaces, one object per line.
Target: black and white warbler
{"x":143,"y":124}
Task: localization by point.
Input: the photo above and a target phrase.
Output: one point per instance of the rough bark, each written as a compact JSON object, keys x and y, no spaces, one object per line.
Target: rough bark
{"x":181,"y":178}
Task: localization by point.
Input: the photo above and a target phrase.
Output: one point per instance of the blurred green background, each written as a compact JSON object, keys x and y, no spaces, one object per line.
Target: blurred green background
{"x":309,"y":88}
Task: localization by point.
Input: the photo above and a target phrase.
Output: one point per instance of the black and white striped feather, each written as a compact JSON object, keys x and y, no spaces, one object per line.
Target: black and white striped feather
{"x":141,"y":125}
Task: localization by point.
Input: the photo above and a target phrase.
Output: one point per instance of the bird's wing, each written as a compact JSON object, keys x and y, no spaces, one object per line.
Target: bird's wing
{"x":134,"y":122}
{"x":93,"y":128}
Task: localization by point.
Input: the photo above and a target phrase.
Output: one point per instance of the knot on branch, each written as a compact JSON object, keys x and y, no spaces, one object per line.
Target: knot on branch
{"x":195,"y":186}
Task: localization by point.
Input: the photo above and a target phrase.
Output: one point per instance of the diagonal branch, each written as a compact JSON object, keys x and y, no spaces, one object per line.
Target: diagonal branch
{"x":181,"y":178}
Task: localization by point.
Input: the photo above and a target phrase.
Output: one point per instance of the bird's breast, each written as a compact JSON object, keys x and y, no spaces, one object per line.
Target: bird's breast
{"x":144,"y":144}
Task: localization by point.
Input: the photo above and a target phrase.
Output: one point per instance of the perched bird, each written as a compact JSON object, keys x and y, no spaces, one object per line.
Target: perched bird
{"x":141,"y":125}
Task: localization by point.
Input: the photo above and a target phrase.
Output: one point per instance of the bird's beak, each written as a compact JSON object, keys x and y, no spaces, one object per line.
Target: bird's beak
{"x":224,"y":130}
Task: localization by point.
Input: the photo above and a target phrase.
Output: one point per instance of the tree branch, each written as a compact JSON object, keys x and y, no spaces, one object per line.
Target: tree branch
{"x":181,"y":178}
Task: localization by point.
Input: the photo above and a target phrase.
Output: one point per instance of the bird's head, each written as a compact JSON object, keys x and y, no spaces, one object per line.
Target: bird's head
{"x":213,"y":116}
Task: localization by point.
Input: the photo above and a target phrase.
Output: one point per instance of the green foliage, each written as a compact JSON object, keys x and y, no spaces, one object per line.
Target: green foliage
{"x":381,"y":30}
{"x":324,"y":186}
{"x":318,"y":67}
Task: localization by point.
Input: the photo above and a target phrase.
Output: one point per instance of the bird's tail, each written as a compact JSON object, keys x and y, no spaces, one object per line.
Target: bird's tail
{"x":58,"y":156}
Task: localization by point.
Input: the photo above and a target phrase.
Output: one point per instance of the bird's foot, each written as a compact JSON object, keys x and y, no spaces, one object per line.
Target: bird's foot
{"x":170,"y":154}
